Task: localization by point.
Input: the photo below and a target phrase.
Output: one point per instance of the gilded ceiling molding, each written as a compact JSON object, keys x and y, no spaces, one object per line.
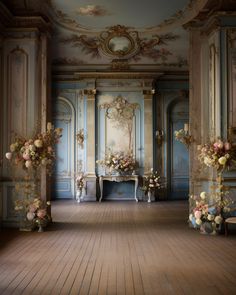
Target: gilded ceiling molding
{"x":64,"y":20}
{"x":120,"y":42}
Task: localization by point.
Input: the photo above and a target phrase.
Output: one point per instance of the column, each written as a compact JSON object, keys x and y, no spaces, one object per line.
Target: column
{"x":148,"y":131}
{"x":90,"y":146}
{"x":45,"y":106}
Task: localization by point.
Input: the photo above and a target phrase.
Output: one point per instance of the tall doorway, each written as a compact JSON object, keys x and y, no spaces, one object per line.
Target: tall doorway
{"x":178,"y":155}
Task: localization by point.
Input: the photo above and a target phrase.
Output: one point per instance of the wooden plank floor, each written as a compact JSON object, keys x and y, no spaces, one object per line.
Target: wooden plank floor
{"x":121,"y":248}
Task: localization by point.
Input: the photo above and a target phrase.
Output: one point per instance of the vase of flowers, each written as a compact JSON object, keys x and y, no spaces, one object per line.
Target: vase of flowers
{"x":80,"y":183}
{"x":33,"y":213}
{"x":36,"y":152}
{"x":151,"y":182}
{"x":31,"y":155}
{"x":218,"y":154}
{"x":207,"y":213}
{"x":118,"y":162}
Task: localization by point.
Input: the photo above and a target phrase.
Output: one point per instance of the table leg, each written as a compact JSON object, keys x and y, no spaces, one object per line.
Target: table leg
{"x":135,"y":189}
{"x":101,"y":188}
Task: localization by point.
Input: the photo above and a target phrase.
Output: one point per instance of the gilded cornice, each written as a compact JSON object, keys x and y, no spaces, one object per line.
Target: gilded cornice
{"x":117,"y":75}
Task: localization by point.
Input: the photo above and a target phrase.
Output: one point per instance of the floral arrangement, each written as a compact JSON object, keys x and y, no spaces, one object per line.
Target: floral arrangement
{"x":35,"y":211}
{"x":80,"y":183}
{"x":208,"y":211}
{"x":218,"y":154}
{"x":183,"y":136}
{"x":37,"y":151}
{"x":151,"y":182}
{"x":31,"y":207}
{"x":118,"y":161}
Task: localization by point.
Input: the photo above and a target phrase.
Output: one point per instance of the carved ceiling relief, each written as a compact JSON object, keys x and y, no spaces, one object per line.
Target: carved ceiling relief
{"x":121,"y":113}
{"x":123,"y":45}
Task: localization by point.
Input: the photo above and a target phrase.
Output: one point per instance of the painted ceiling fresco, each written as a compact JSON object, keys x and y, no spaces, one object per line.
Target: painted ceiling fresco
{"x":120,"y":32}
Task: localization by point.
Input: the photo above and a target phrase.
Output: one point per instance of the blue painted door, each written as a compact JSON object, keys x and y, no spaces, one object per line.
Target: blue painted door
{"x":178,"y":155}
{"x":63,"y":184}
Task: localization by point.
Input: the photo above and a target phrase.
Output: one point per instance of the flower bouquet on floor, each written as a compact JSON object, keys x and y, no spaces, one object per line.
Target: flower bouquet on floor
{"x":32,"y":210}
{"x":151,"y":182}
{"x":118,"y":162}
{"x":208,"y":210}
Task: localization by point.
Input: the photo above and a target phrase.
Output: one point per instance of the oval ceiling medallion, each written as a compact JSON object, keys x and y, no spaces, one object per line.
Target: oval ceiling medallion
{"x":119,"y":42}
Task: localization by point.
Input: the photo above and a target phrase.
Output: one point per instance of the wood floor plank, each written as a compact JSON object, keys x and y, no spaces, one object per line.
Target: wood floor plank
{"x":117,"y":248}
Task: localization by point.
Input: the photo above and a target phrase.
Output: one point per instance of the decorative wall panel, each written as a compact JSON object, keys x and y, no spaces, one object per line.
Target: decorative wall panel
{"x":120,"y":125}
{"x":17,"y":90}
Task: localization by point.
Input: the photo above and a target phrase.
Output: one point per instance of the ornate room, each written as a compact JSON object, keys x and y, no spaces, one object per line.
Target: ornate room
{"x":118,"y":147}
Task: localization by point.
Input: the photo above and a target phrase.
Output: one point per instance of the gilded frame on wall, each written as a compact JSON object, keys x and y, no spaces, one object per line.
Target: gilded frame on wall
{"x":121,"y":115}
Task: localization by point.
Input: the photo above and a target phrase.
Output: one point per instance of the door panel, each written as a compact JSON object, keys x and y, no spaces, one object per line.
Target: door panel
{"x":178,"y":178}
{"x":63,"y":187}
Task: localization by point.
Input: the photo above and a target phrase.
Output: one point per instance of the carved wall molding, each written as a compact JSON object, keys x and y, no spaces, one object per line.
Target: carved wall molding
{"x":17,"y":90}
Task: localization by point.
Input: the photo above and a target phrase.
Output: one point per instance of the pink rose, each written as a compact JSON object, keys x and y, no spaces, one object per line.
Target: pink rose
{"x":26,"y":155}
{"x":41,"y":213}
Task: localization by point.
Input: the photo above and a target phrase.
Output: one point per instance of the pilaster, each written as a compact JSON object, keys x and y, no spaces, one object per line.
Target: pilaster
{"x":148,"y":130}
{"x":91,"y":182}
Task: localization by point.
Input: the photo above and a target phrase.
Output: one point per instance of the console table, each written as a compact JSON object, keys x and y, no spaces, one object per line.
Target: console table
{"x":119,"y":178}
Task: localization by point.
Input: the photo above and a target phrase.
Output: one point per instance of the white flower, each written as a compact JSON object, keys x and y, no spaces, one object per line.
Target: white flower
{"x":198,"y":221}
{"x":203,"y":195}
{"x":32,"y":148}
{"x":38,"y":143}
{"x":30,"y":216}
{"x":222,"y":160}
{"x":210,"y":217}
{"x":207,"y":161}
{"x":218,"y":219}
{"x":9,"y":156}
{"x":190,"y":217}
{"x":28,"y":164}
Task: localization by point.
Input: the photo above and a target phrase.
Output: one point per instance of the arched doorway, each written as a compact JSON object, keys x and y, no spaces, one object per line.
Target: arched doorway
{"x":63,"y":178}
{"x":178,"y":155}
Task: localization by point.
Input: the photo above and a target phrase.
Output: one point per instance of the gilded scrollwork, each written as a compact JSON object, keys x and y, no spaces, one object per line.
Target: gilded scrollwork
{"x":121,"y":113}
{"x":80,"y":136}
{"x":123,"y":43}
